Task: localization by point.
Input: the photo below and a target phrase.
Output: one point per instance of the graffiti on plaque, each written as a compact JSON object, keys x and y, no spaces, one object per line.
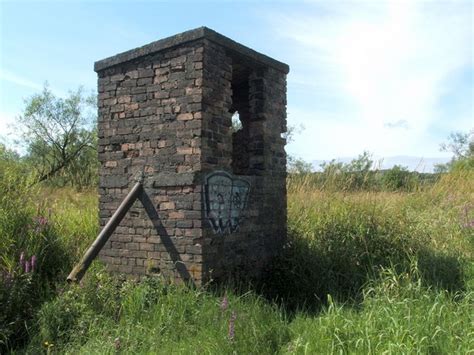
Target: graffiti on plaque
{"x":225,"y":200}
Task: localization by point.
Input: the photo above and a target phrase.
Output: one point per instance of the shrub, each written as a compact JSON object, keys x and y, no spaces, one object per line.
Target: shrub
{"x":399,"y":178}
{"x":64,"y":318}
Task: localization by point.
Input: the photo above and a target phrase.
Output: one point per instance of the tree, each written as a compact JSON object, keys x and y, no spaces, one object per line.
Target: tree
{"x":356,"y":174}
{"x":8,"y":155}
{"x":57,"y":132}
{"x":396,"y":178}
{"x":298,"y":166}
{"x":461,"y":145}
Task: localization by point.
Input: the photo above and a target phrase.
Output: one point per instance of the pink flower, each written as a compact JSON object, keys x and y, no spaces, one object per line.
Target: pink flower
{"x":33,"y":263}
{"x":233,"y":317}
{"x":42,"y":221}
{"x":469,"y":224}
{"x":22,"y":259}
{"x":27,"y":266}
{"x":224,"y":303}
{"x":40,"y":224}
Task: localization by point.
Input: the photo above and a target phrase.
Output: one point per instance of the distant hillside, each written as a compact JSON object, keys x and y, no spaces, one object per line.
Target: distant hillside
{"x":423,"y":165}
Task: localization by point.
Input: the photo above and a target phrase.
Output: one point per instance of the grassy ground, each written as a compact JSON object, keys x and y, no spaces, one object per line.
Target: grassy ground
{"x":363,"y":272}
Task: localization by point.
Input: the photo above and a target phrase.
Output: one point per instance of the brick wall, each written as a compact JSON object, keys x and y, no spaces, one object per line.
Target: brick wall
{"x":165,"y":110}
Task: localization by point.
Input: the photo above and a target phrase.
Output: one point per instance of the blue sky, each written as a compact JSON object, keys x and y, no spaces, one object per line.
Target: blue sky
{"x":391,"y":77}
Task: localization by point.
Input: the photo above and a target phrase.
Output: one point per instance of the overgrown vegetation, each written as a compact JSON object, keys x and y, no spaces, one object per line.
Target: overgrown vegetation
{"x":363,"y":271}
{"x":373,"y":264}
{"x":360,"y":174}
{"x":41,"y":233}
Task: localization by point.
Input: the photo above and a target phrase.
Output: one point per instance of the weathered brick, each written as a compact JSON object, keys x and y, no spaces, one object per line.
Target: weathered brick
{"x":167,"y":206}
{"x":185,"y":116}
{"x":167,"y":112}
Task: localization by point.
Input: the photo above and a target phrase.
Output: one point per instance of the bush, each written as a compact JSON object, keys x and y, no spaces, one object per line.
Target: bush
{"x":399,"y":178}
{"x":65,"y":318}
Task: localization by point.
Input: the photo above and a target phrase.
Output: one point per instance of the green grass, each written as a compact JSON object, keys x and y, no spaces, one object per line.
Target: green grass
{"x":363,"y":272}
{"x":397,"y":316}
{"x":151,"y":317}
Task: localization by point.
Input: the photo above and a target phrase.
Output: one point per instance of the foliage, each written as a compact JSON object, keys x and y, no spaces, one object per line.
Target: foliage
{"x":8,"y":155}
{"x":397,"y":315}
{"x":354,"y":175}
{"x":170,"y":318}
{"x":363,"y":272}
{"x":358,"y":175}
{"x":37,"y":244}
{"x":339,"y":241}
{"x":298,"y":166}
{"x":461,"y":145}
{"x":291,"y":132}
{"x":398,"y":178}
{"x":59,"y":136}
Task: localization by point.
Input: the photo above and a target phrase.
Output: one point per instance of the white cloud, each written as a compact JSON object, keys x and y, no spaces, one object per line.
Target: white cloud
{"x":18,"y":80}
{"x":13,"y":78}
{"x":385,"y":61}
{"x":398,"y":124}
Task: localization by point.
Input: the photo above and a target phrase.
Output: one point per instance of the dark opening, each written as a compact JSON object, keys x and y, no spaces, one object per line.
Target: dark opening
{"x":240,"y":119}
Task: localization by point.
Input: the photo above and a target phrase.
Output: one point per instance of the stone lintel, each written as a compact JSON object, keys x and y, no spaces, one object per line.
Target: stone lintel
{"x":166,"y":179}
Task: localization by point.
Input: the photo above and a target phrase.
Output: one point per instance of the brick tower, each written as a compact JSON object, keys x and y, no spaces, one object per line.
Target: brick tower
{"x":214,"y":198}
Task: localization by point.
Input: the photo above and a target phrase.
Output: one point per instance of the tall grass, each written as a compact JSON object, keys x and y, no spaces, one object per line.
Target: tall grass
{"x":397,"y":316}
{"x":155,"y":318}
{"x":362,"y":272}
{"x":41,"y":234}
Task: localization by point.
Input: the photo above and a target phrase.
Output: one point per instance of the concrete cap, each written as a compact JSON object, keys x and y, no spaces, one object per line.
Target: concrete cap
{"x":188,"y":36}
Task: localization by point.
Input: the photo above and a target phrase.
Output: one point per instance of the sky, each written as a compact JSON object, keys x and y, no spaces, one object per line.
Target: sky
{"x":393,"y":78}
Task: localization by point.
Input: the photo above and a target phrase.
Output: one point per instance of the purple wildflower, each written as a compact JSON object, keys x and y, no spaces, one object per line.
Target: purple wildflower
{"x":22,"y":260}
{"x":27,"y":266}
{"x":233,"y":317}
{"x":40,"y":224}
{"x":33,"y":263}
{"x":224,"y":303}
{"x":469,"y":224}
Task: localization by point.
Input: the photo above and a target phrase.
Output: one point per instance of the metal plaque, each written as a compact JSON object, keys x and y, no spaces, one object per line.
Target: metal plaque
{"x":225,"y":200}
